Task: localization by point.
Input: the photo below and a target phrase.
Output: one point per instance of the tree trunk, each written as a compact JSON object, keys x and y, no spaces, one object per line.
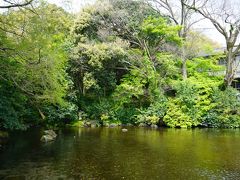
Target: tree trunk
{"x":184,"y":69}
{"x":229,"y":76}
{"x":184,"y":64}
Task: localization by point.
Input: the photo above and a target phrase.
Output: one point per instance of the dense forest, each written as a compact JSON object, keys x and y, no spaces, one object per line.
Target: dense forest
{"x":115,"y":62}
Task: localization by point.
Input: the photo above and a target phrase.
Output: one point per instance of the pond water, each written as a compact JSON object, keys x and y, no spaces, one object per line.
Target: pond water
{"x":108,"y":153}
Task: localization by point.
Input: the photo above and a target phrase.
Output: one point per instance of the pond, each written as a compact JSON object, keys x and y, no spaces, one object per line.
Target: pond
{"x":109,"y":153}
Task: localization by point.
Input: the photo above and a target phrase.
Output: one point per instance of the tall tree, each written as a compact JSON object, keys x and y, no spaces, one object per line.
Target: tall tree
{"x":225,"y":17}
{"x":180,"y":15}
{"x":96,"y":30}
{"x":33,"y":59}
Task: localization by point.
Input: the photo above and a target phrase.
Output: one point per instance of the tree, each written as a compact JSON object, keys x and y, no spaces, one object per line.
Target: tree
{"x":180,"y":15}
{"x":13,"y":4}
{"x":34,"y":60}
{"x":224,"y":15}
{"x":104,"y":32}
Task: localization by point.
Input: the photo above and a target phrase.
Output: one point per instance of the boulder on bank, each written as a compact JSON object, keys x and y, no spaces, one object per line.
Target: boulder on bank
{"x":129,"y":124}
{"x":113,"y":125}
{"x":154,"y":126}
{"x":94,"y":124}
{"x":142,"y":125}
{"x":91,"y":124}
{"x":49,"y":135}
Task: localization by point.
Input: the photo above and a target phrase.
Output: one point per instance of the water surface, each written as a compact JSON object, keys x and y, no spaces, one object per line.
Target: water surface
{"x":108,"y":153}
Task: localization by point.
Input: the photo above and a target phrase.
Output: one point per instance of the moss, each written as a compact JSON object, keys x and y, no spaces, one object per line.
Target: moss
{"x":4,"y":134}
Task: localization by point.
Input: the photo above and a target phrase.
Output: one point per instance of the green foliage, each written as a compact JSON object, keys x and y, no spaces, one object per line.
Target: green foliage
{"x":225,"y":110}
{"x":33,"y":62}
{"x":205,"y":67}
{"x":94,"y":65}
{"x":193,"y":99}
{"x":13,"y":108}
{"x":182,"y":109}
{"x":58,"y":116}
{"x":157,"y":30}
{"x":116,"y":63}
{"x":154,"y":113}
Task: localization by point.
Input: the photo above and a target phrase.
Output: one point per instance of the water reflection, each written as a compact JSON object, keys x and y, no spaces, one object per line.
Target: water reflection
{"x":105,"y":153}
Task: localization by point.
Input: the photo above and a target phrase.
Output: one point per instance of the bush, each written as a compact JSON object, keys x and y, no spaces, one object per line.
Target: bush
{"x":154,"y":113}
{"x":178,"y":115}
{"x":192,"y":102}
{"x":15,"y":111}
{"x":57,"y":116}
{"x":225,"y":110}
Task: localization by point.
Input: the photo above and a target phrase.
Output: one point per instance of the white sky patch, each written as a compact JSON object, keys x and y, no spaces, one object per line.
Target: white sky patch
{"x":73,"y":6}
{"x":207,"y":28}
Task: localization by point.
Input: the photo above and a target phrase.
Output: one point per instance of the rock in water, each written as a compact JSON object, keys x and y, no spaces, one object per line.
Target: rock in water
{"x":49,"y":135}
{"x":47,"y":138}
{"x":124,"y":130}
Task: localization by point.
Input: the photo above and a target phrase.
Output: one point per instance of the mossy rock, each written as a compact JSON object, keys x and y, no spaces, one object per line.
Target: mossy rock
{"x":4,"y":135}
{"x":142,"y":125}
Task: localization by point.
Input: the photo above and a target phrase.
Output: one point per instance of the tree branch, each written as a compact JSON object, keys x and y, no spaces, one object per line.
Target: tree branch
{"x":12,"y":4}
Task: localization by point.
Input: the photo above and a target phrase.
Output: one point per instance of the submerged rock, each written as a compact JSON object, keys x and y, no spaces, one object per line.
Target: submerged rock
{"x":124,"y":130}
{"x":49,"y":135}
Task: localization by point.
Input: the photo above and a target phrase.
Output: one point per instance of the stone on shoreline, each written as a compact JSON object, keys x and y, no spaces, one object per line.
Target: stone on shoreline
{"x":142,"y":125}
{"x":154,"y":126}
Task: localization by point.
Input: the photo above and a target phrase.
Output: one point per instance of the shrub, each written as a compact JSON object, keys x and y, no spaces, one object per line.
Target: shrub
{"x":225,"y":110}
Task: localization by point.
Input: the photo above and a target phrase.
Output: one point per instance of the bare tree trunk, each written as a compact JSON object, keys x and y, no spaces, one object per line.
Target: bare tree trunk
{"x":184,"y":64}
{"x":184,"y":69}
{"x":229,"y":75}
